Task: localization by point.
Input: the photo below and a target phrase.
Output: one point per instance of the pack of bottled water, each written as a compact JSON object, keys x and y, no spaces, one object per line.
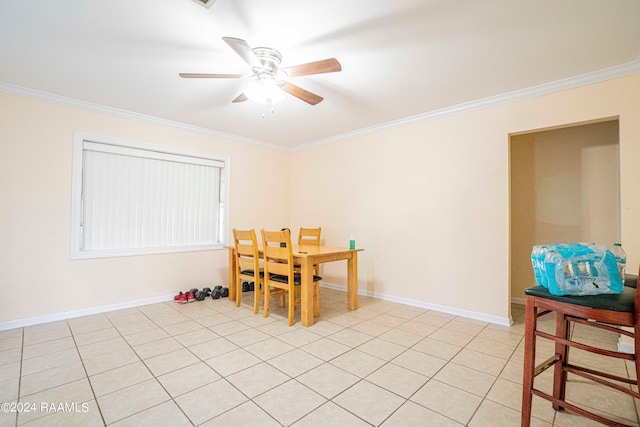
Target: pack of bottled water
{"x":577,"y":269}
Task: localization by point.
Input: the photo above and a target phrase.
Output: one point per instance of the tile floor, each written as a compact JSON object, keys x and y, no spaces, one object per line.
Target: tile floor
{"x":210,"y":363}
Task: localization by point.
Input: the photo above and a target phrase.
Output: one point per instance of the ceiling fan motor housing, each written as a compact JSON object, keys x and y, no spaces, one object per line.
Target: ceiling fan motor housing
{"x":269,"y":58}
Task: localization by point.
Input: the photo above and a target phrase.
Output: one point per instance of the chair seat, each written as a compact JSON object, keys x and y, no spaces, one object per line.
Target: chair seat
{"x":250,"y":272}
{"x":623,"y":302}
{"x":296,"y":278}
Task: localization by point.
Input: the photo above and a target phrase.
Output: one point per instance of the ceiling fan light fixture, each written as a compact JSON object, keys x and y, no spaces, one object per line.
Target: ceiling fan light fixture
{"x":264,"y":90}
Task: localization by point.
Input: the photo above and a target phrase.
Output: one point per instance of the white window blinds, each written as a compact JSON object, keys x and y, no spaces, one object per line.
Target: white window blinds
{"x":139,"y":200}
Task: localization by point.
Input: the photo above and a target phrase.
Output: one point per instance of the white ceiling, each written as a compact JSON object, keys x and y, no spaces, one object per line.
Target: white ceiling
{"x":400,"y":58}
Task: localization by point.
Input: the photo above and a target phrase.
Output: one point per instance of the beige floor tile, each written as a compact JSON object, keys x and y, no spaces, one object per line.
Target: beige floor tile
{"x":295,"y":362}
{"x":369,"y":402}
{"x":96,"y":336}
{"x":480,"y":361}
{"x":76,"y":414}
{"x":51,"y":378}
{"x":463,"y":327}
{"x":257,"y":379}
{"x":129,"y":328}
{"x":157,"y":348}
{"x":397,"y":379}
{"x":269,"y":348}
{"x":509,"y":394}
{"x":10,"y":371}
{"x":214,"y":321}
{"x":229,"y":328}
{"x":299,"y":337}
{"x":73,"y":392}
{"x":358,"y":363}
{"x":501,"y":337}
{"x":48,"y":347}
{"x":170,"y":362}
{"x":437,"y":348}
{"x":188,"y":378}
{"x":247,"y":337}
{"x":10,"y":356}
{"x":492,"y":348}
{"x":102,"y":347}
{"x":48,"y":361}
{"x":9,"y":389}
{"x":411,"y":414}
{"x":451,"y":337}
{"x":145,"y":337}
{"x":106,"y":362}
{"x":232,"y":362}
{"x":324,"y":329}
{"x":465,"y":378}
{"x":246,"y":415}
{"x":419,"y":362}
{"x":46,"y":335}
{"x":330,"y":415}
{"x":382,"y":349}
{"x":164,"y":414}
{"x":600,"y":398}
{"x":182,"y":328}
{"x":289,"y":402}
{"x":493,"y":414}
{"x":196,"y":337}
{"x":401,"y":337}
{"x":216,"y":347}
{"x":205,"y":403}
{"x":350,"y":337}
{"x":328,"y":380}
{"x":325,"y":349}
{"x":449,"y":401}
{"x":346,"y":320}
{"x":87,"y":324}
{"x":119,"y":378}
{"x":372,"y":328}
{"x":131,"y":400}
{"x":10,"y":342}
{"x":389,"y":320}
{"x":433,"y":318}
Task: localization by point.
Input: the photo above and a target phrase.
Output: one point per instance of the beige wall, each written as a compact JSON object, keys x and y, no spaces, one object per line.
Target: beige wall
{"x":430,"y":202}
{"x":564,"y":188}
{"x":37,"y":278}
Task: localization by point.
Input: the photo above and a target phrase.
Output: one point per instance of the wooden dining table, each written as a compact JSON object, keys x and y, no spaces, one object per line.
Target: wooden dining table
{"x":307,"y":256}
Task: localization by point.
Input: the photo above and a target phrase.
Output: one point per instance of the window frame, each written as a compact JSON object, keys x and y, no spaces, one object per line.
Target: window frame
{"x":76,"y":250}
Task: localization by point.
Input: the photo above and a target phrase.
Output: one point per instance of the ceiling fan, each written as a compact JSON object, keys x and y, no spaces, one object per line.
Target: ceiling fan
{"x":268,"y":81}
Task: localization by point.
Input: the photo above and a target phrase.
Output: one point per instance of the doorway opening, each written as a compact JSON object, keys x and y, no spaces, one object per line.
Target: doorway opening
{"x":564,"y":187}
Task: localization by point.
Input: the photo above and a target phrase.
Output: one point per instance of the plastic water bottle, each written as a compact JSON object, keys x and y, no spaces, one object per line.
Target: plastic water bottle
{"x":554,"y":273}
{"x":352,"y":242}
{"x":538,"y":255}
{"x":621,"y":259}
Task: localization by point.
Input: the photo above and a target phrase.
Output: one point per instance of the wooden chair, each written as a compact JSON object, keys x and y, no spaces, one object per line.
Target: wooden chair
{"x":605,"y":312}
{"x":247,"y":263}
{"x":310,"y":237}
{"x":279,"y":272}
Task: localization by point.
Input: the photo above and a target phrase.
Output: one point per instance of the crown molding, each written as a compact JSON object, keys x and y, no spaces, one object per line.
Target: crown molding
{"x":492,"y":101}
{"x":76,"y":103}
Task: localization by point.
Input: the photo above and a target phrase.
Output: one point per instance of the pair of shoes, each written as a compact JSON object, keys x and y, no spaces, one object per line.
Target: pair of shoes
{"x":248,"y":286}
{"x":188,"y":296}
{"x":181,"y":298}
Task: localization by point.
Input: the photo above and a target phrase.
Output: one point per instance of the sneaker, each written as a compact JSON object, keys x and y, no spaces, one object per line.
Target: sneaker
{"x":190,"y":296}
{"x":181,"y":298}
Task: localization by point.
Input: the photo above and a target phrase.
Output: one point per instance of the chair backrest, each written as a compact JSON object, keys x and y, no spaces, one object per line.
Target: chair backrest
{"x":278,"y":259}
{"x":309,"y":236}
{"x":247,"y":255}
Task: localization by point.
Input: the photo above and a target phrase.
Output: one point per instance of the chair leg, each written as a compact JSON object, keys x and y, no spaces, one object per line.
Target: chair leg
{"x":316,"y":299}
{"x":563,"y":330}
{"x":267,"y":297}
{"x":292,"y":304}
{"x":256,"y":296}
{"x":529,"y":359}
{"x":238,"y":289}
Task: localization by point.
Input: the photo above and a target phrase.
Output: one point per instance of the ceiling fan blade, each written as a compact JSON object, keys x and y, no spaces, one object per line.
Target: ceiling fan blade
{"x":303,"y":94}
{"x":329,"y":65}
{"x":243,"y":49}
{"x":240,"y":98}
{"x":209,"y":76}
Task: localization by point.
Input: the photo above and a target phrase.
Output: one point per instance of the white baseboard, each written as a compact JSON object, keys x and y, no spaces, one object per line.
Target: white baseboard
{"x":21,"y":323}
{"x":504,"y":321}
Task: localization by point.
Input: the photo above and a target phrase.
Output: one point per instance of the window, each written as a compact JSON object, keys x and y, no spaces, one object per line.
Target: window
{"x":132,"y":198}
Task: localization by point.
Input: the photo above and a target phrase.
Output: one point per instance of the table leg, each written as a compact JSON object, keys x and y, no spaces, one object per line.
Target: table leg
{"x":352,"y":281}
{"x":306,"y":293}
{"x":232,"y":275}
